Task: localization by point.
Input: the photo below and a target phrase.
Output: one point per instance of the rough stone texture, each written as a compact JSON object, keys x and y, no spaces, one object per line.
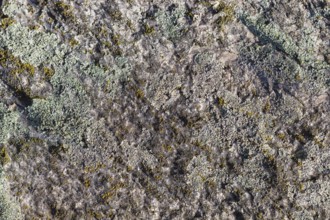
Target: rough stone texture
{"x":135,"y":109}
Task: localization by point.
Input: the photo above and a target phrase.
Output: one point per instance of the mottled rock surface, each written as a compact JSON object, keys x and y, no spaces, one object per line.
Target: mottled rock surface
{"x":136,"y":109}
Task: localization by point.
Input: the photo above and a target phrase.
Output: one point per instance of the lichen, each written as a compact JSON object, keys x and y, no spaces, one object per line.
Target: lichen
{"x":171,"y":23}
{"x":10,"y":125}
{"x":60,"y":114}
{"x":270,"y":32}
{"x":32,"y":47}
{"x":9,"y":207}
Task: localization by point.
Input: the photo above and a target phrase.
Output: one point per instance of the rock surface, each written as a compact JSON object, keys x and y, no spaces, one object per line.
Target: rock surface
{"x":135,"y":109}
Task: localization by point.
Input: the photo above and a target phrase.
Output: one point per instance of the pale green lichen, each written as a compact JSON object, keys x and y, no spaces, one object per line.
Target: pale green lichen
{"x":302,"y":63}
{"x":10,"y":125}
{"x":9,"y":208}
{"x":11,"y":8}
{"x":172,"y":23}
{"x":65,"y":113}
{"x":32,"y":47}
{"x":271,"y":32}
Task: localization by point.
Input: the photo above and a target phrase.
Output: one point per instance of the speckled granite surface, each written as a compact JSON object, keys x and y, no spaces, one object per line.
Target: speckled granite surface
{"x":136,"y":109}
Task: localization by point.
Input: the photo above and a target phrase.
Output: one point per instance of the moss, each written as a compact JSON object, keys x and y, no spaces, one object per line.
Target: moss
{"x":211,"y":184}
{"x":102,"y":31}
{"x":260,"y":216}
{"x":281,"y":136}
{"x":15,"y":68}
{"x":95,"y":214}
{"x":129,"y":2}
{"x":107,"y":195}
{"x":116,"y":15}
{"x":189,"y":15}
{"x":129,"y":168}
{"x":94,"y":168}
{"x":168,"y":148}
{"x":115,"y":38}
{"x":266,"y":107}
{"x":48,"y":73}
{"x":298,"y":77}
{"x":28,"y":68}
{"x":318,"y":142}
{"x":139,"y":94}
{"x":73,"y":42}
{"x":148,"y":29}
{"x":3,"y":57}
{"x":87,"y":183}
{"x":5,"y":22}
{"x":34,"y":27}
{"x":4,"y":156}
{"x":300,"y":138}
{"x":249,"y":114}
{"x":227,"y":14}
{"x":64,"y":9}
{"x":129,"y":24}
{"x":220,"y":101}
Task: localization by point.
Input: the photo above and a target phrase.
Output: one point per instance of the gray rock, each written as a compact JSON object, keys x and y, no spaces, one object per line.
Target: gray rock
{"x":164,"y":110}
